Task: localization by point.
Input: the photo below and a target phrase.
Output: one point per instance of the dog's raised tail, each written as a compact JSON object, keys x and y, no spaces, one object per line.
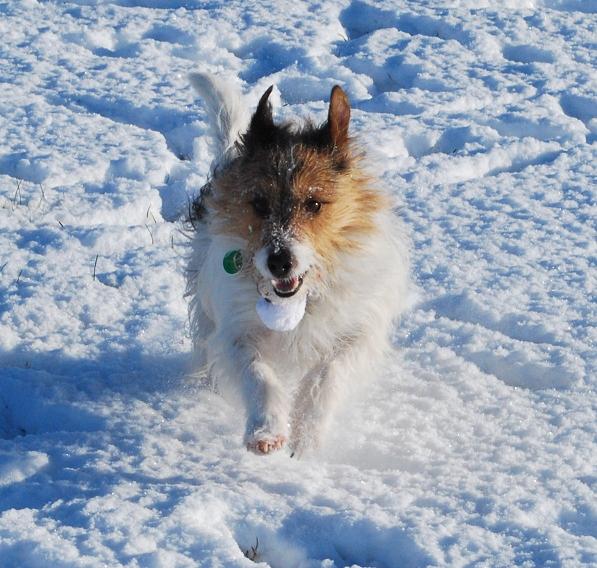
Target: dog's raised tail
{"x":228,"y":115}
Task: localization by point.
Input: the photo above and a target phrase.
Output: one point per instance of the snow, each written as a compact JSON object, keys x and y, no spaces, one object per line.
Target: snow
{"x":476,"y":445}
{"x":281,"y":317}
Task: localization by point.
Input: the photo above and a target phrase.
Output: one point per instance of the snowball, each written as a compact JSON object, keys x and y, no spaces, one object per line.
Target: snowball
{"x":282,"y":316}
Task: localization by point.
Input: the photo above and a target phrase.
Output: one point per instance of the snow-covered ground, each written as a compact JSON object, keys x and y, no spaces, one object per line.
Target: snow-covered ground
{"x":476,"y":446}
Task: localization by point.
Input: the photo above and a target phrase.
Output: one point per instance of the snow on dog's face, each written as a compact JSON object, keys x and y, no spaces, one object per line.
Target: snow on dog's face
{"x":297,"y":197}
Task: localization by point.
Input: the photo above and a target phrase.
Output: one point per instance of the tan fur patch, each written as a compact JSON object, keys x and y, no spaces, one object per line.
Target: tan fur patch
{"x":232,"y":200}
{"x":349,"y":206}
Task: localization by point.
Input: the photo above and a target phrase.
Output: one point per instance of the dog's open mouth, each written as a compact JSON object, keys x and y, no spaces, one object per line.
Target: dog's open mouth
{"x":287,"y":287}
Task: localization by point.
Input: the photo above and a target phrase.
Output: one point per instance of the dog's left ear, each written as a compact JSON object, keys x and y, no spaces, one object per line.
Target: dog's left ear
{"x":338,"y":117}
{"x":261,"y":127}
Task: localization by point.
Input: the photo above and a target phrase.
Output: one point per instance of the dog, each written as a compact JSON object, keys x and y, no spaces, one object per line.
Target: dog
{"x":310,"y":225}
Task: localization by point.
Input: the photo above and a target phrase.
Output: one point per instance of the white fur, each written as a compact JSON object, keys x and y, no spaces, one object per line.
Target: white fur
{"x":290,"y":381}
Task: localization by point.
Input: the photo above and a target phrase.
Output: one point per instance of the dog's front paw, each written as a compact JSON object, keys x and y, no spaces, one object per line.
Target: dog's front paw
{"x":263,"y":443}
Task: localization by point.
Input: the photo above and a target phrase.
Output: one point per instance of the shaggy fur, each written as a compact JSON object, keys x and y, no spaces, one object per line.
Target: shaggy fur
{"x":308,"y":221}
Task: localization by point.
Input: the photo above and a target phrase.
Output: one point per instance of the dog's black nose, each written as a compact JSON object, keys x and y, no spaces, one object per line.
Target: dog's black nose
{"x":280,"y":263}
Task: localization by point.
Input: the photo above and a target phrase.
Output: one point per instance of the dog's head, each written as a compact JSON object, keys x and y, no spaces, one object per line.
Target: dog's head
{"x":296,"y":195}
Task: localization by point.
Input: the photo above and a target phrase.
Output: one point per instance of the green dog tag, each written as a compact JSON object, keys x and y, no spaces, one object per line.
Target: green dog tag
{"x":233,"y":261}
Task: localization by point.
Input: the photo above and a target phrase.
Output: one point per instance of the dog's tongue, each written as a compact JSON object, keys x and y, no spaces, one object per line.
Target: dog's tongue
{"x":287,"y":285}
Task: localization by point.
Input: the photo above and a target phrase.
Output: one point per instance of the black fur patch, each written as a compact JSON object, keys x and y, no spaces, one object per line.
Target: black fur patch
{"x":197,"y":210}
{"x":282,"y":137}
{"x":264,"y":134}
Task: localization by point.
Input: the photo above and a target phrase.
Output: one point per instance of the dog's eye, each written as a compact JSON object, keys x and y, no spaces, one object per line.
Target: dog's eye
{"x":312,"y":205}
{"x":261,"y":207}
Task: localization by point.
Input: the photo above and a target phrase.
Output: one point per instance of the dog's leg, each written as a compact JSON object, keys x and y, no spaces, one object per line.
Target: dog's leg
{"x":324,"y":388}
{"x":238,"y":364}
{"x":314,"y":404}
{"x":267,"y":406}
{"x":308,"y":414}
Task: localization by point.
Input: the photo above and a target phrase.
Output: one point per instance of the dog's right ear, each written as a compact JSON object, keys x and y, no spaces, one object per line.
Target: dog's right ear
{"x":261,"y":128}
